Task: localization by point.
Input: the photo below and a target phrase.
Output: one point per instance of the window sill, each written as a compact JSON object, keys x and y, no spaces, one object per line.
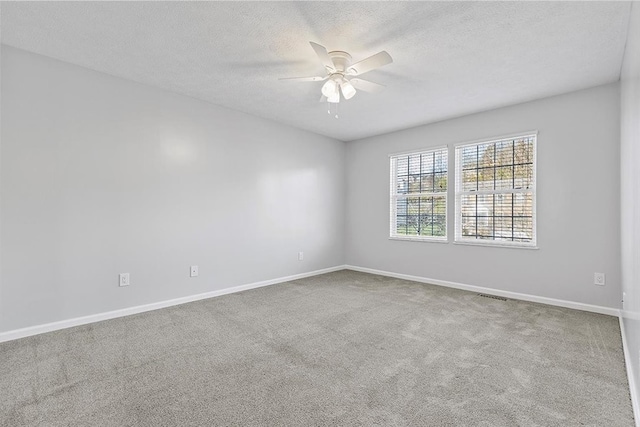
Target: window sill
{"x":496,"y":245}
{"x":419,"y":239}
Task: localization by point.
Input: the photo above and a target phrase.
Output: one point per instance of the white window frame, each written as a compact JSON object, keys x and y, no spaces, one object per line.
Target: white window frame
{"x":393,"y":197}
{"x":458,"y":238}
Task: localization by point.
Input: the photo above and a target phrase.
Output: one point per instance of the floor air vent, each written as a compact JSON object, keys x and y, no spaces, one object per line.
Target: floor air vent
{"x":492,"y":297}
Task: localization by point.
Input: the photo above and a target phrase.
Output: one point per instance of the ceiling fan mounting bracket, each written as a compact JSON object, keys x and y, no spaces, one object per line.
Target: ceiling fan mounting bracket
{"x":340,"y":59}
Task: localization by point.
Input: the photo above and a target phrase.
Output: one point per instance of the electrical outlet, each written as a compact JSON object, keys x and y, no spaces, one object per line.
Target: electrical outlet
{"x":300,"y":256}
{"x":123,"y":279}
{"x":194,"y":271}
{"x":598,"y":279}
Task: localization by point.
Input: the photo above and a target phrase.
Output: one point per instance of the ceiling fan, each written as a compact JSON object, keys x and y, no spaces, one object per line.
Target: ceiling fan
{"x":341,"y":73}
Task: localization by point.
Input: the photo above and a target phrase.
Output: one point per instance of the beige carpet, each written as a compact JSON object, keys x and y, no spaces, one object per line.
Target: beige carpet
{"x":344,"y":348}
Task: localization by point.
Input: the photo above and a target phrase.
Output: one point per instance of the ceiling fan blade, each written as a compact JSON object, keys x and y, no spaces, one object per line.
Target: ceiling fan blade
{"x":304,"y":79}
{"x":321,"y":51}
{"x":371,"y":63}
{"x":366,"y":85}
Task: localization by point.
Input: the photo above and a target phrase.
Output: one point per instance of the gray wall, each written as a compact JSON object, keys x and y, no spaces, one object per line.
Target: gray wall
{"x":630,"y":155}
{"x":577,"y":201}
{"x":100,"y":175}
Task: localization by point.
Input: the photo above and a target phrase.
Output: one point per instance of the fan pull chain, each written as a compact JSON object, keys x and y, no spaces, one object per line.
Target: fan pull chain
{"x":336,"y":108}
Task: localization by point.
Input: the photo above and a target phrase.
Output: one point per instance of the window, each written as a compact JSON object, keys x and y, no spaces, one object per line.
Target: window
{"x":419,"y":195}
{"x":495,"y":192}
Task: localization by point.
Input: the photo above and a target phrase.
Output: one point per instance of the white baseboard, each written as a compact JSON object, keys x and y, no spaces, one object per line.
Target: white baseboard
{"x":63,"y":324}
{"x":507,"y":294}
{"x":630,"y":377}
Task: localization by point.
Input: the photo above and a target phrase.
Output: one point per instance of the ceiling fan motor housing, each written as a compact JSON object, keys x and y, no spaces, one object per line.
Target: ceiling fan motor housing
{"x":341,"y":60}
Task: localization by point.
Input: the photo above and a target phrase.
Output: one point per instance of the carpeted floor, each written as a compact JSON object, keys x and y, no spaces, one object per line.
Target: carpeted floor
{"x":344,"y":348}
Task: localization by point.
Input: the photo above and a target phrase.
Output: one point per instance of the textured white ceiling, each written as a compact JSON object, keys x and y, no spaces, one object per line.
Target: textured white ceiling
{"x":450,"y":58}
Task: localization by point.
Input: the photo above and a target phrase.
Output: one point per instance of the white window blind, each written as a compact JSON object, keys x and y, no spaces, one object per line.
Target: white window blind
{"x":495,"y":192}
{"x":419,"y":195}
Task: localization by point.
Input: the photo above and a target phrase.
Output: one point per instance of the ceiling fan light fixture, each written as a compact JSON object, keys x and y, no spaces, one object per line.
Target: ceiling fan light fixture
{"x":348,"y":91}
{"x":330,"y":88}
{"x":335,"y":97}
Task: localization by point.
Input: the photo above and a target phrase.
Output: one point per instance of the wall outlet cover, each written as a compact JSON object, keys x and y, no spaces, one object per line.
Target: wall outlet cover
{"x":598,"y":279}
{"x":123,"y":279}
